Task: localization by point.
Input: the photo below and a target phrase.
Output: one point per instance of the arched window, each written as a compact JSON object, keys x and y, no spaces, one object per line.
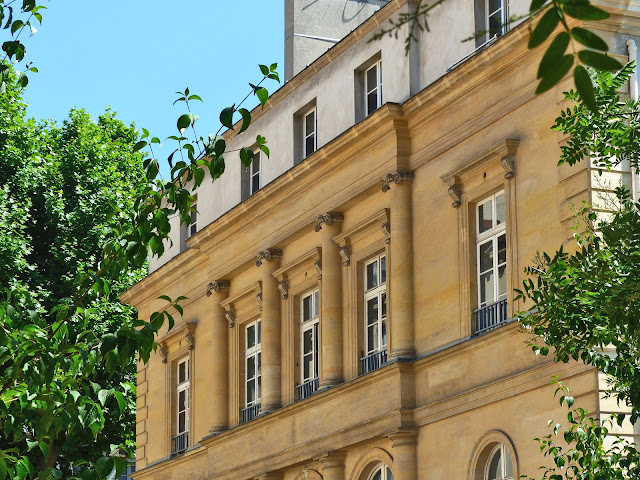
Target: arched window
{"x":499,"y":466}
{"x":381,"y":472}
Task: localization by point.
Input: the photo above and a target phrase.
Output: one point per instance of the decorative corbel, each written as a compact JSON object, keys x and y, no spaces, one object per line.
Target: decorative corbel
{"x":259,"y":299}
{"x":267,"y":255}
{"x":190,"y":338}
{"x":283,"y":286}
{"x":318,"y":268}
{"x":217,"y":286}
{"x":397,"y":178}
{"x":386,"y":231}
{"x":508,"y":162}
{"x":455,"y":192}
{"x":345,"y":253}
{"x":327,"y":219}
{"x":231,"y":317}
{"x":164,"y":353}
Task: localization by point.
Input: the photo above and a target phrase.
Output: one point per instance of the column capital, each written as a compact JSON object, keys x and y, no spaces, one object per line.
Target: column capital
{"x":217,"y":286}
{"x":268,"y":255}
{"x":404,"y":436}
{"x":397,"y":178}
{"x":328,"y":218}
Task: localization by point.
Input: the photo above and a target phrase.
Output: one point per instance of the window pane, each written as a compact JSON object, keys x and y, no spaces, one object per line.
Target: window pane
{"x":259,"y":388}
{"x":372,"y":102}
{"x":383,"y":270}
{"x":502,"y":281}
{"x":372,"y":338}
{"x":372,"y":78}
{"x":306,"y":308}
{"x":494,"y":5}
{"x":372,"y":275}
{"x":495,"y":24}
{"x":310,"y":145}
{"x":500,"y":214}
{"x":251,"y":391}
{"x":485,"y":220}
{"x":251,"y":367}
{"x":384,"y":333}
{"x":182,"y":422}
{"x":194,"y":216}
{"x":310,"y":123}
{"x":255,"y":164}
{"x":315,"y":350}
{"x":378,"y":475}
{"x":486,"y":288}
{"x":251,"y":336}
{"x":486,"y":256}
{"x":259,"y":333}
{"x":372,"y":311}
{"x":307,"y":341}
{"x":192,"y":230}
{"x":316,"y":303}
{"x":389,"y":474}
{"x":182,"y":372}
{"x":495,"y":468}
{"x":259,"y":363}
{"x":508,"y":465}
{"x":182,"y":401}
{"x":307,"y":364}
{"x":255,"y":183}
{"x":502,"y":249}
{"x":384,"y":305}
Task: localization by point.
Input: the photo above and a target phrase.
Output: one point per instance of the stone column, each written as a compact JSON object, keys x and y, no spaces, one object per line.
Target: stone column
{"x":269,"y":261}
{"x":332,"y":465}
{"x":401,"y":266}
{"x":219,"y":358}
{"x":405,"y":454}
{"x":331,"y":301}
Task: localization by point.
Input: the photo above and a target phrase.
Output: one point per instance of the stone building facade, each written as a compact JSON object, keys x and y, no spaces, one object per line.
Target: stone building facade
{"x":350,"y":306}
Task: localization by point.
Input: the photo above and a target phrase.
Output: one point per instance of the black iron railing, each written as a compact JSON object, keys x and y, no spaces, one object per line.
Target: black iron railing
{"x":249,"y":413}
{"x":307,"y":389}
{"x":180,"y":443}
{"x":373,"y":361}
{"x":490,"y":316}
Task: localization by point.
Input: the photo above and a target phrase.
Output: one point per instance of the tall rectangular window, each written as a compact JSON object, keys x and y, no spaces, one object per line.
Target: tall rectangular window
{"x":251,"y":177}
{"x":494,"y":17}
{"x":373,"y":87}
{"x":181,"y":439}
{"x":193,"y":224}
{"x":255,"y":173}
{"x":252,"y":370}
{"x":309,"y":365}
{"x":310,"y":122}
{"x":375,"y":314}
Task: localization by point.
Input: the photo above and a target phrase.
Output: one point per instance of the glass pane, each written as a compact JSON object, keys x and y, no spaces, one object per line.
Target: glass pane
{"x":306,"y":308}
{"x":502,"y":249}
{"x":372,"y":338}
{"x":259,"y":388}
{"x":255,"y":183}
{"x":485,"y":220}
{"x":486,"y":256}
{"x":383,"y":270}
{"x":182,"y":372}
{"x":316,"y":303}
{"x":251,"y":391}
{"x":307,"y":364}
{"x":259,"y":332}
{"x":389,"y":474}
{"x":307,"y":341}
{"x":378,"y":475}
{"x":182,"y":422}
{"x":495,"y":24}
{"x":310,"y":123}
{"x":500,"y":214}
{"x":194,"y":216}
{"x":182,"y":401}
{"x":315,"y":350}
{"x":508,"y":466}
{"x":372,"y":102}
{"x":310,"y":145}
{"x":486,"y":288}
{"x":372,"y":78}
{"x":372,"y":311}
{"x":251,"y":336}
{"x":372,"y":275}
{"x":502,"y":281}
{"x":384,"y":305}
{"x":255,"y":164}
{"x":384,"y":333}
{"x":251,"y":367}
{"x":259,"y":363}
{"x":495,"y":468}
{"x":494,"y":5}
{"x":193,"y":228}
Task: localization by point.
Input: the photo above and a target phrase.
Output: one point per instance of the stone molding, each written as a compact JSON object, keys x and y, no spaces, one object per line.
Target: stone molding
{"x":230,"y":315}
{"x":217,"y":286}
{"x":318,"y":268}
{"x":484,"y":447}
{"x":345,"y":253}
{"x":283,"y":286}
{"x":164,"y":353}
{"x":268,"y":255}
{"x":185,"y":331}
{"x":404,"y":436}
{"x":241,"y":300}
{"x":386,"y":231}
{"x":328,"y":219}
{"x":298,"y":266}
{"x":397,"y":178}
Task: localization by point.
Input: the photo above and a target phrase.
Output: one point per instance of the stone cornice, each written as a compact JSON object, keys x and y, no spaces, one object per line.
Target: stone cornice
{"x":363,"y":229}
{"x":174,"y":335}
{"x":299,"y":264}
{"x":244,"y":296}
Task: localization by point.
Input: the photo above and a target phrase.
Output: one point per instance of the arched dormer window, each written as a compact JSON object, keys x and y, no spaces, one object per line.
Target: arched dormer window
{"x":381,"y":472}
{"x":499,"y":465}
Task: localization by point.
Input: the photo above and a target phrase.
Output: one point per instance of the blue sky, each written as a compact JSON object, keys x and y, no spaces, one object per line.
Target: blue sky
{"x":135,"y":54}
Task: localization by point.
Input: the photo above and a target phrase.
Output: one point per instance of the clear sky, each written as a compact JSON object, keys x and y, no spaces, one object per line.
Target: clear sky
{"x":135,"y":54}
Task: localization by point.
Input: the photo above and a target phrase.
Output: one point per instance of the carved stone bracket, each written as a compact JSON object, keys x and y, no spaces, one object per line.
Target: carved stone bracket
{"x":259,"y":299}
{"x":231,"y":318}
{"x":283,"y":286}
{"x":386,"y":230}
{"x":508,"y":162}
{"x":328,"y":218}
{"x":190,"y":338}
{"x":217,"y":286}
{"x":318,"y":267}
{"x":164,"y":353}
{"x":345,"y":253}
{"x":397,"y":178}
{"x":267,"y":255}
{"x":455,"y":192}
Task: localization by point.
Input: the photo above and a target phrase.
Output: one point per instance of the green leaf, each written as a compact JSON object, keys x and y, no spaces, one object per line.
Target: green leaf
{"x":585,"y":87}
{"x":15,"y":26}
{"x":194,"y":97}
{"x":545,"y":27}
{"x":183,"y":123}
{"x":246,"y":119}
{"x":263,"y":95}
{"x":589,"y":39}
{"x":264,"y":69}
{"x":585,"y":12}
{"x":3,"y":469}
{"x":246,"y":156}
{"x":265,"y":149}
{"x":140,"y":145}
{"x":122,"y":402}
{"x":553,"y":57}
{"x":273,"y":67}
{"x":536,"y":5}
{"x":44,"y":448}
{"x":226,"y":117}
{"x":599,"y":61}
{"x":554,"y":76}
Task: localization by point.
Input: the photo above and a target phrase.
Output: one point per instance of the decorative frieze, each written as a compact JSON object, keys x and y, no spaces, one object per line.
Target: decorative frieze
{"x":217,"y":286}
{"x":268,"y":255}
{"x":397,"y":178}
{"x":328,"y":218}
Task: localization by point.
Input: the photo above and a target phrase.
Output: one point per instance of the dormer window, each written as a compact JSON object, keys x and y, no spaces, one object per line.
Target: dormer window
{"x":373,"y":87}
{"x":251,"y":180}
{"x":310,"y":128}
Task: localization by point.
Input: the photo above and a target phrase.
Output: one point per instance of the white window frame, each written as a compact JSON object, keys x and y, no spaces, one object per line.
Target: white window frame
{"x":492,"y":234}
{"x":384,"y":470}
{"x":370,"y":89}
{"x":306,"y":325}
{"x":254,"y":352}
{"x":503,"y":12}
{"x":504,"y":454}
{"x":182,"y":387}
{"x":255,"y":171}
{"x":379,"y":291}
{"x":192,"y":228}
{"x":306,"y":134}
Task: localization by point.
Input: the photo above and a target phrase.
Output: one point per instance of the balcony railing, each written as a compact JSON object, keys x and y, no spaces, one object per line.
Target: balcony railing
{"x":373,"y":361}
{"x":489,"y":317}
{"x":249,"y":413}
{"x":179,"y":444}
{"x":307,"y":389}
